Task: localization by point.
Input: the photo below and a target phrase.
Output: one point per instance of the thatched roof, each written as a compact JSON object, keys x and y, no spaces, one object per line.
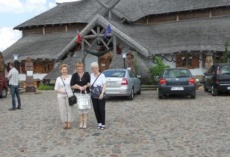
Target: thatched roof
{"x":132,"y":10}
{"x":98,"y":19}
{"x":39,"y":46}
{"x":136,"y":9}
{"x":71,"y":62}
{"x":66,"y":13}
{"x":164,"y":38}
{"x":197,"y":34}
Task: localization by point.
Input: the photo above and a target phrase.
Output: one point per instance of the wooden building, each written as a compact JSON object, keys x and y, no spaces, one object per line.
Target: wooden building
{"x":184,"y":33}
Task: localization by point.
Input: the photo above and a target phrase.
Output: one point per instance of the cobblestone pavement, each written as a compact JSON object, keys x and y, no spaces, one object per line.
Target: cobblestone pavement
{"x":144,"y":127}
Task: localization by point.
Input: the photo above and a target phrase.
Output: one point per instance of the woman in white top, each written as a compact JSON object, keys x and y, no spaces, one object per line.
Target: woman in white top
{"x":62,"y":87}
{"x":98,"y":85}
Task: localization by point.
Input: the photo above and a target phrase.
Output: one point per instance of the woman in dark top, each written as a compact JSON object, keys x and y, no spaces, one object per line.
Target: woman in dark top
{"x":80,"y":82}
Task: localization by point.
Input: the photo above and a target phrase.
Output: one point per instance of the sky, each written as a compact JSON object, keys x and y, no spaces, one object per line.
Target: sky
{"x":15,"y":12}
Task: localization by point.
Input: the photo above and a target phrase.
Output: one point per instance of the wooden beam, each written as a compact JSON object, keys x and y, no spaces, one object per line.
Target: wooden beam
{"x":114,"y":44}
{"x":87,"y":42}
{"x":95,"y":36}
{"x":93,"y":31}
{"x":110,"y":40}
{"x":104,"y":43}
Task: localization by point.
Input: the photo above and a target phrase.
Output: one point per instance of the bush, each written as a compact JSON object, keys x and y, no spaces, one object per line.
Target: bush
{"x":156,"y":70}
{"x":46,"y":87}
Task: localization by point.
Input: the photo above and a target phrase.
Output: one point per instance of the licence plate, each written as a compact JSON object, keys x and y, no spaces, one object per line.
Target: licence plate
{"x":111,"y":82}
{"x":177,"y":88}
{"x":228,"y":88}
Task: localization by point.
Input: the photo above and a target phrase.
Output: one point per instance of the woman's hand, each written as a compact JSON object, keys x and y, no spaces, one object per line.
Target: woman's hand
{"x":101,"y":96}
{"x":84,"y":87}
{"x":62,"y":91}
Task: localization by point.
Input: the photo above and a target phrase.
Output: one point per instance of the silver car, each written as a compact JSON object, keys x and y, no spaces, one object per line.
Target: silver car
{"x":122,"y":82}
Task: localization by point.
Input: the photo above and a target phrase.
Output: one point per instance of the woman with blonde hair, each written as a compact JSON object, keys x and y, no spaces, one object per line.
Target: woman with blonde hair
{"x":62,"y":87}
{"x":98,"y":85}
{"x":80,"y":83}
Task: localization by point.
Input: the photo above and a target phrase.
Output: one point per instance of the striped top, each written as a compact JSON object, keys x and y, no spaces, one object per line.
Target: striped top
{"x":13,"y":77}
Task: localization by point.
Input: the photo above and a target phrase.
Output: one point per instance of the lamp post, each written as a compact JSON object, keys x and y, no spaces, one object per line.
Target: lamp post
{"x":124,"y":57}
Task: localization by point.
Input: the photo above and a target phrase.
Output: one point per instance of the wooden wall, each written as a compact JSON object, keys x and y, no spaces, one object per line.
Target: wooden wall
{"x":52,"y":29}
{"x":40,"y":66}
{"x":151,"y":19}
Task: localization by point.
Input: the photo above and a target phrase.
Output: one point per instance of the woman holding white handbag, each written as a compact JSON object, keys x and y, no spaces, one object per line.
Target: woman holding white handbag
{"x":80,"y":82}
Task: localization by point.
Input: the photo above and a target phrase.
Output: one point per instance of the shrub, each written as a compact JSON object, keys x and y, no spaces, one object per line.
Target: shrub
{"x":226,"y":56}
{"x":156,"y":70}
{"x":46,"y":87}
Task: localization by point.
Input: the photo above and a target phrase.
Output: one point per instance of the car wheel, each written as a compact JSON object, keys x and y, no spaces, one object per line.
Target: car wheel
{"x":139,"y":92}
{"x":131,"y":96}
{"x":161,"y":96}
{"x":214,"y":91}
{"x":4,"y":93}
{"x":205,"y":88}
{"x":193,"y":96}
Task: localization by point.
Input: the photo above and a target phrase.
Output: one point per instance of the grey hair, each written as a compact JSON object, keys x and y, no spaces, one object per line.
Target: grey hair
{"x":94,"y":64}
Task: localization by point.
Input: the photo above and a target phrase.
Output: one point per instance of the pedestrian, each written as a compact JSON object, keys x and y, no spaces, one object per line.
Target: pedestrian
{"x":13,"y":77}
{"x":62,"y":87}
{"x":98,"y":85}
{"x":80,"y":82}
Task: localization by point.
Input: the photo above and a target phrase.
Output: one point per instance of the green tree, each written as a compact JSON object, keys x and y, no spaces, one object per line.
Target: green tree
{"x":156,"y":70}
{"x":226,"y":56}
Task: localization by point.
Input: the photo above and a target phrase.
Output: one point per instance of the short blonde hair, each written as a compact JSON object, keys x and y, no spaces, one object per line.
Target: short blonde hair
{"x":94,"y":64}
{"x":63,"y":66}
{"x":79,"y":64}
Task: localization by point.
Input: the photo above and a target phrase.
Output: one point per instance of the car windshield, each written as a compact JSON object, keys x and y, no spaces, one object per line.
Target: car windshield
{"x":114,"y":73}
{"x":175,"y":73}
{"x":225,"y":70}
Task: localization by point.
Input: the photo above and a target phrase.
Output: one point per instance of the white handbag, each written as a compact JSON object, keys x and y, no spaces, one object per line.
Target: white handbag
{"x":84,"y":101}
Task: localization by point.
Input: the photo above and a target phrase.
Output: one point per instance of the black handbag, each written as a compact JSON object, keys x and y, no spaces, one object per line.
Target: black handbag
{"x":73,"y":99}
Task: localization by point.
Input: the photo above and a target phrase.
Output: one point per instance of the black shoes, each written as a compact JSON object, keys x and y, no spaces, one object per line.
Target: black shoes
{"x":12,"y":109}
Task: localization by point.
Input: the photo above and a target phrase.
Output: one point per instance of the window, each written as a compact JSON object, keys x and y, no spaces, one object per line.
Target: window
{"x":190,"y":61}
{"x":116,"y":73}
{"x":225,"y":70}
{"x":175,"y":73}
{"x":131,"y":75}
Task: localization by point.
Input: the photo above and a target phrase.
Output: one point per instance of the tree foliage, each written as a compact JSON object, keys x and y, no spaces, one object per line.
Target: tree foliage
{"x":156,"y":70}
{"x":226,"y":56}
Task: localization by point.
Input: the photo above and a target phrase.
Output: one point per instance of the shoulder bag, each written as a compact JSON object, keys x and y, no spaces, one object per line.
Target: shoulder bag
{"x":96,"y":91}
{"x":73,"y":99}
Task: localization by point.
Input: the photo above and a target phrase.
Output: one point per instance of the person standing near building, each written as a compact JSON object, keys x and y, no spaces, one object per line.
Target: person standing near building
{"x":98,"y":86}
{"x":13,"y":77}
{"x":80,"y":83}
{"x":62,"y":87}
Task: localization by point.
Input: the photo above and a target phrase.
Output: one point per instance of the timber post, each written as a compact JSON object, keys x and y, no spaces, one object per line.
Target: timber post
{"x":29,"y":75}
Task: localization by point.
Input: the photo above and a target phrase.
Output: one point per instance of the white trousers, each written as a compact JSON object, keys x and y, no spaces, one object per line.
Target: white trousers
{"x":66,"y":111}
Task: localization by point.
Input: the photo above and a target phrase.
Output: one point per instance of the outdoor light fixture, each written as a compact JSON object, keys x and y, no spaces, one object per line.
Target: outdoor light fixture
{"x":15,"y":57}
{"x":124,"y":57}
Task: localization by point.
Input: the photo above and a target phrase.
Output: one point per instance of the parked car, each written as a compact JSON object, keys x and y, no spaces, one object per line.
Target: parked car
{"x":178,"y":81}
{"x":3,"y":87}
{"x":122,"y":82}
{"x":217,"y":79}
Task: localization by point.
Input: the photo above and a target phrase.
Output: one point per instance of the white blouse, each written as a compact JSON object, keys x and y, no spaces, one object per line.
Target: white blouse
{"x":59,"y":85}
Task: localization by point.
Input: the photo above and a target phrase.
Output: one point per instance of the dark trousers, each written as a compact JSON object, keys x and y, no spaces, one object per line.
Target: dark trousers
{"x":99,"y":110}
{"x":15,"y":91}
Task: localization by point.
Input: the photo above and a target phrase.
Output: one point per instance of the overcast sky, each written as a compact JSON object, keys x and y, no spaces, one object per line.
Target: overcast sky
{"x":15,"y":12}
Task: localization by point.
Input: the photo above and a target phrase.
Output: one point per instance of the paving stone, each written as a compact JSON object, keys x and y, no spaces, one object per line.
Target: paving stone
{"x":145,"y":126}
